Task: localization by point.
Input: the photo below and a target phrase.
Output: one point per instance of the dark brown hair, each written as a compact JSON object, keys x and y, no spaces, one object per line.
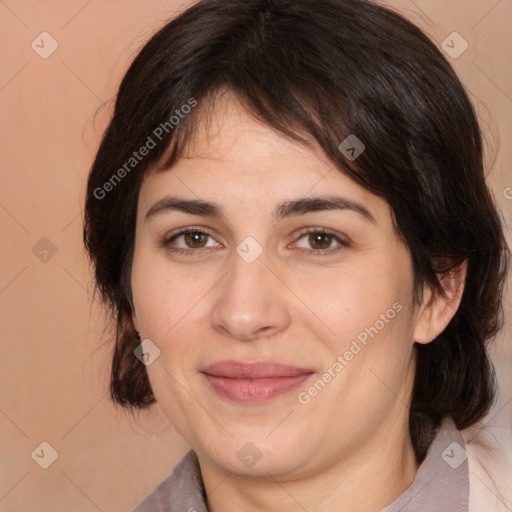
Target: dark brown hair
{"x":318,"y":70}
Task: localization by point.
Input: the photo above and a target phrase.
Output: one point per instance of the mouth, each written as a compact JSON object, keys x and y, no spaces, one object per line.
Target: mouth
{"x":254,"y":383}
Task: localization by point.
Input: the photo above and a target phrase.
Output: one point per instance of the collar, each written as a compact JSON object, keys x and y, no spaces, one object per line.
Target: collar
{"x":442,"y":480}
{"x":441,"y":483}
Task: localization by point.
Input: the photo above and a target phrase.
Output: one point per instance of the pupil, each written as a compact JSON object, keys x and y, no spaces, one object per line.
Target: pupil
{"x":193,"y":238}
{"x":317,"y":237}
{"x":322,"y":239}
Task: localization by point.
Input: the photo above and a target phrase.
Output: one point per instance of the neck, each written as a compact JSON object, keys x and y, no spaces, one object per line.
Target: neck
{"x":367,"y":480}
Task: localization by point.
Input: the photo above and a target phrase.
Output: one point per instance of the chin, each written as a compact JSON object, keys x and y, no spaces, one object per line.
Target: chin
{"x":255,"y":454}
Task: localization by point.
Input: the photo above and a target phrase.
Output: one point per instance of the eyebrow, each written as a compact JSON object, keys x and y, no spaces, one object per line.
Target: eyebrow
{"x":283,"y":210}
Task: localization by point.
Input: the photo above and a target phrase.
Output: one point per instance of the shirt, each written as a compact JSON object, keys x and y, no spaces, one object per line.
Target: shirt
{"x":442,"y":482}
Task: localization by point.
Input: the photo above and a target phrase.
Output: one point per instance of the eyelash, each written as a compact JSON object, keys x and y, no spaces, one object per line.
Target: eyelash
{"x":165,"y":242}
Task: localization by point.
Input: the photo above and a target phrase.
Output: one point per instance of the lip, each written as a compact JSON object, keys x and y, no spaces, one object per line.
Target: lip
{"x":256,"y":382}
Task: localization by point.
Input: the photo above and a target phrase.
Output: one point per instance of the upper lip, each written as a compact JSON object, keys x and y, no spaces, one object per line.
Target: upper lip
{"x":253,"y":370}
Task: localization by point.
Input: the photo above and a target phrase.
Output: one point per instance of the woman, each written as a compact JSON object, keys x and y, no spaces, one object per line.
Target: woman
{"x":289,"y":219}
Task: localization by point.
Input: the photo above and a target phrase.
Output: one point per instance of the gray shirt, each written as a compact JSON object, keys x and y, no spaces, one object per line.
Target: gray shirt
{"x":441,"y":483}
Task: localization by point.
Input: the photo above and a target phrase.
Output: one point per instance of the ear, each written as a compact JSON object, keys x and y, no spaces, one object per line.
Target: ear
{"x":436,"y":311}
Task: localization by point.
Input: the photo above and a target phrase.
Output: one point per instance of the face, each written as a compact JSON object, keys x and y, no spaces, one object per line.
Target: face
{"x":285,"y":333}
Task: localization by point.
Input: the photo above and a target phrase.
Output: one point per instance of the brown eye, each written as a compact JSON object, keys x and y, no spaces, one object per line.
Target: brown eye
{"x":189,"y":242}
{"x":320,"y":242}
{"x":195,"y":239}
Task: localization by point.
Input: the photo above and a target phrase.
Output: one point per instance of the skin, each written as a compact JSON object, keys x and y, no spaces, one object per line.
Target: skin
{"x":349,"y":447}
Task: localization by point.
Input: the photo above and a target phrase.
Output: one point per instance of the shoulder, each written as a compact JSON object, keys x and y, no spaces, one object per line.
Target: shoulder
{"x":489,"y":451}
{"x":181,"y":491}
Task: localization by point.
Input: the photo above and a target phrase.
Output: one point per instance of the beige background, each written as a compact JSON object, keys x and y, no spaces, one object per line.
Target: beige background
{"x":54,"y":369}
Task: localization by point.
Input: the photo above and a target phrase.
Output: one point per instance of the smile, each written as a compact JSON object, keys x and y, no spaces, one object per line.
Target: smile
{"x":254,"y":383}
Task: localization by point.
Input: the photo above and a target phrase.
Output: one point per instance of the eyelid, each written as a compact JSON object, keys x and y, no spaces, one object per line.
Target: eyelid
{"x":327,"y":231}
{"x":166,"y":239}
{"x":339,"y":237}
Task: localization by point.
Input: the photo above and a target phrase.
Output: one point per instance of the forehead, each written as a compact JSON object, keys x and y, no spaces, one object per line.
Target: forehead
{"x":234,"y":158}
{"x":227,"y":131}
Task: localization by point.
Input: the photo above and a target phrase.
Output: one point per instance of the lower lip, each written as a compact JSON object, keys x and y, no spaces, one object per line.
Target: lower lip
{"x":254,"y":391}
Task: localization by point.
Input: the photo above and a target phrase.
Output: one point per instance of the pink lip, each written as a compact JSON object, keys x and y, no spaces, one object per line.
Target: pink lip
{"x":253,"y":382}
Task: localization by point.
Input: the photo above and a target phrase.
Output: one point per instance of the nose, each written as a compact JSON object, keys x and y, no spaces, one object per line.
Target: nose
{"x":250,"y":301}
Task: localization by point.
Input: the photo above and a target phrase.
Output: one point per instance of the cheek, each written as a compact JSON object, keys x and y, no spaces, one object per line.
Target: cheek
{"x":349,"y":302}
{"x":165,"y":298}
{"x":172,"y":310}
{"x":368,"y":320}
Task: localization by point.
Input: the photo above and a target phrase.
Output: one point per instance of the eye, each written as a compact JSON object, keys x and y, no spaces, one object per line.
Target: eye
{"x":321,"y":240}
{"x":192,"y":239}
